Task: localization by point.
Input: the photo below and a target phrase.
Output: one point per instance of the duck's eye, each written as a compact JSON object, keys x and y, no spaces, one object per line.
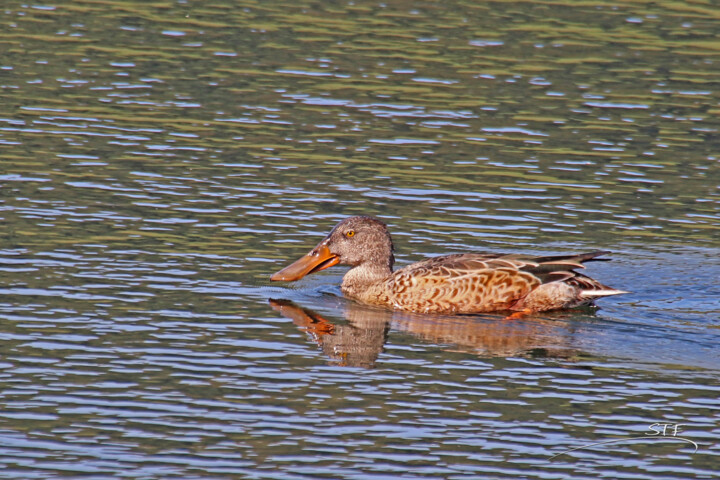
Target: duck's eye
{"x":350,"y":233}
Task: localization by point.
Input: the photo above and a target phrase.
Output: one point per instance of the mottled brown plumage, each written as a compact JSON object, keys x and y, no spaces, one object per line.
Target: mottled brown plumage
{"x":461,"y":283}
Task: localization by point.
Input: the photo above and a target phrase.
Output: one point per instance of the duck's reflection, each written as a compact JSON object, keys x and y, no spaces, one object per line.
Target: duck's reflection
{"x":359,"y":341}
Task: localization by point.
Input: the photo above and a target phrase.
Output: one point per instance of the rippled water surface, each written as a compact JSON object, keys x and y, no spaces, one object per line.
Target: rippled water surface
{"x":161,"y":159}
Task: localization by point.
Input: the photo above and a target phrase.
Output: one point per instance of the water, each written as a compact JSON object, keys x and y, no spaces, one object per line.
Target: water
{"x":161,"y":160}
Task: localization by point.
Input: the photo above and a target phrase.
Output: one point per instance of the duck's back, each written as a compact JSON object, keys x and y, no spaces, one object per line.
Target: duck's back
{"x":462,"y":283}
{"x":489,"y":282}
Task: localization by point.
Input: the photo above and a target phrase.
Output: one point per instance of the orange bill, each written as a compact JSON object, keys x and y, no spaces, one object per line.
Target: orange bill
{"x":318,"y":259}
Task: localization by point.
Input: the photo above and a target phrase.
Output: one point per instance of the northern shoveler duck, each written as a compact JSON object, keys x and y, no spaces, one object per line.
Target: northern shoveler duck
{"x":460,"y":283}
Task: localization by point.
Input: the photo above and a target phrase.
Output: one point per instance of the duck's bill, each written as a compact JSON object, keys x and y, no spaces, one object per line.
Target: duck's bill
{"x":318,"y":259}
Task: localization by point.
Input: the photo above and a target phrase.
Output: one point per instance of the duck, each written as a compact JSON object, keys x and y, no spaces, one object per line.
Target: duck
{"x":464,"y":283}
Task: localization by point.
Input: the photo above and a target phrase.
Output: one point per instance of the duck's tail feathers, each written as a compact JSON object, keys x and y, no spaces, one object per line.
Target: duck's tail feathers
{"x":591,"y":289}
{"x":605,"y":292}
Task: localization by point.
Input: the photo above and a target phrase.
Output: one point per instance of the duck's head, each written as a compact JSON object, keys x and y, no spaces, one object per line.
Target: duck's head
{"x":356,"y":241}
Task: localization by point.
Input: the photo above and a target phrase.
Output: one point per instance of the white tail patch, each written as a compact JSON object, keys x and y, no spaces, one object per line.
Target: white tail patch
{"x":601,"y":293}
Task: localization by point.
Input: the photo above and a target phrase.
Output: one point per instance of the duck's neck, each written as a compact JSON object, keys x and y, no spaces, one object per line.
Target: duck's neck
{"x":366,"y":281}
